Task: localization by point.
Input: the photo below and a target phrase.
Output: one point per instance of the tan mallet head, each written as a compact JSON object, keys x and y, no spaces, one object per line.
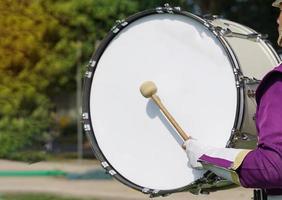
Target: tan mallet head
{"x":148,"y":89}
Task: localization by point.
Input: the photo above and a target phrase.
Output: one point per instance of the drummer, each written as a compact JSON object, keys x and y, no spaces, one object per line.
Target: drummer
{"x":261,"y":167}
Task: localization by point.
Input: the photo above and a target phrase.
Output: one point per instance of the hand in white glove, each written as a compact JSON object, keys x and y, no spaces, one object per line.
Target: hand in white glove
{"x":194,"y":151}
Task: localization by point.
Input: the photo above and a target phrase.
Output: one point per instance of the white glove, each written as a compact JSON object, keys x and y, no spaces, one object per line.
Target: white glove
{"x":194,"y":151}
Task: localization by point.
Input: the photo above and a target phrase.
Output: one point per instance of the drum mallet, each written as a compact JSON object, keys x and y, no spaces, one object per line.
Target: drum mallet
{"x":148,"y":89}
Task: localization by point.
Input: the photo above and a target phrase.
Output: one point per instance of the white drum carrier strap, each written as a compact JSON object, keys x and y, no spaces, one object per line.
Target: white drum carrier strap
{"x":224,"y":162}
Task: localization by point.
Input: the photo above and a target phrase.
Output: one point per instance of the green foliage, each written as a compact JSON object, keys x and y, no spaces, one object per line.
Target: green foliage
{"x":42,"y":42}
{"x":85,"y":21}
{"x":24,"y":113}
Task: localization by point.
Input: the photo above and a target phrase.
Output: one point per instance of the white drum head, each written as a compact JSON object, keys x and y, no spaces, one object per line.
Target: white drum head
{"x":195,"y":82}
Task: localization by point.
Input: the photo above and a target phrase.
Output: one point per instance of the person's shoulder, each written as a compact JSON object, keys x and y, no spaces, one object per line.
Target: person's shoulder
{"x":272,"y":77}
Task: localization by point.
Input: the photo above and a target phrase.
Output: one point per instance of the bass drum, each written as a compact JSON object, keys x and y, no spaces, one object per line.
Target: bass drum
{"x":201,"y":72}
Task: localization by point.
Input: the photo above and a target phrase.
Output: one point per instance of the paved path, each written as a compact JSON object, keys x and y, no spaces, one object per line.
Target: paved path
{"x":102,"y":189}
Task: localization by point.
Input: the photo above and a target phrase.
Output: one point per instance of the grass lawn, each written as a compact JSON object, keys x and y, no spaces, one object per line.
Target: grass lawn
{"x":35,"y":196}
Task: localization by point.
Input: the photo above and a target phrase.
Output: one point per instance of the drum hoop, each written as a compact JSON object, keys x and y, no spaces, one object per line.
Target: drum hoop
{"x":89,"y":74}
{"x":240,"y":107}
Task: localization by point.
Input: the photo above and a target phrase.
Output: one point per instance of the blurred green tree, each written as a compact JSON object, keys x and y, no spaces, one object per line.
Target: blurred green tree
{"x":24,"y":113}
{"x":39,"y":45}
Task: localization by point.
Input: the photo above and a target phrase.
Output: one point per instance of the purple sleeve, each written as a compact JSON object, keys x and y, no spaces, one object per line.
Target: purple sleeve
{"x":262,"y":167}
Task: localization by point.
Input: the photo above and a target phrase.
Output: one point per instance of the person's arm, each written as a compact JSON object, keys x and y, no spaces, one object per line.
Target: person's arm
{"x":259,"y":168}
{"x":262,"y":168}
{"x":222,"y":161}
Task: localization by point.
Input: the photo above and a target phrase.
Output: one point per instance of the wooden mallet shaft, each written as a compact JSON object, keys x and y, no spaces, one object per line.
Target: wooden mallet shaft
{"x":148,"y":89}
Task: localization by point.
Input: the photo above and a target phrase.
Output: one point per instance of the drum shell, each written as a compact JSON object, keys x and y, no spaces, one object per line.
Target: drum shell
{"x":246,"y":137}
{"x":254,"y":54}
{"x":256,"y":57}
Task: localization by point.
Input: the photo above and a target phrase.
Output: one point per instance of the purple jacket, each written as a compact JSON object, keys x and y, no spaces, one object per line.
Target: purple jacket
{"x":262,"y":167}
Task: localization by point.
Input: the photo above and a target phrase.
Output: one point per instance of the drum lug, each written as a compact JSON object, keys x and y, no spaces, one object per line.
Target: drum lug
{"x":112,"y":172}
{"x":236,"y":71}
{"x":210,"y":17}
{"x":151,"y":192}
{"x":87,"y":127}
{"x":159,"y":10}
{"x":240,"y":83}
{"x":119,"y":25}
{"x":208,"y":25}
{"x":177,"y":8}
{"x":104,"y":164}
{"x":115,"y":29}
{"x":92,"y":63}
{"x":226,"y":32}
{"x":216,"y":30}
{"x":88,"y":74}
{"x":85,"y":116}
{"x":146,"y":190}
{"x":167,"y":9}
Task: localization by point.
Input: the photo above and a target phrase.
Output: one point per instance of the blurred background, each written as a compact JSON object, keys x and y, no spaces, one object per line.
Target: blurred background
{"x":45,"y":46}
